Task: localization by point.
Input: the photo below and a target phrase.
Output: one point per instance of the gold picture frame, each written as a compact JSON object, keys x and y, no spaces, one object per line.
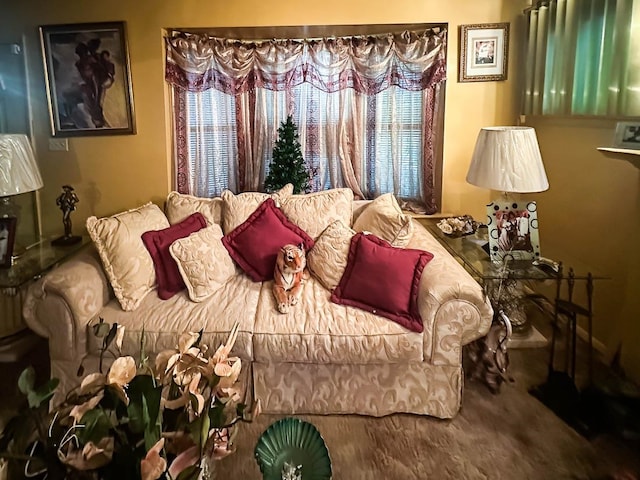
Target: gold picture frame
{"x":88,"y":79}
{"x":483,"y":52}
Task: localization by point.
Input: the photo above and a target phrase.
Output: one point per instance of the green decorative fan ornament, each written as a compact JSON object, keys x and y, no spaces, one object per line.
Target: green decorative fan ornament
{"x":293,"y":449}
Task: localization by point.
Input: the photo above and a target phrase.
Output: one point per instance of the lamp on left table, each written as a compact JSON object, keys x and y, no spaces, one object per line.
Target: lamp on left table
{"x":19,"y":174}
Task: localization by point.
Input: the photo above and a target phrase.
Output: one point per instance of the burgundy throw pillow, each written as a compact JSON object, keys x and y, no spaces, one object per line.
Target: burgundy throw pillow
{"x":383,"y":280}
{"x":158,"y":242}
{"x":254,"y":244}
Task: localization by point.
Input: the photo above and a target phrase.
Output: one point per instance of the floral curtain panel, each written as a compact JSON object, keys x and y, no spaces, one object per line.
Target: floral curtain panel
{"x":312,"y":79}
{"x":368,"y":64}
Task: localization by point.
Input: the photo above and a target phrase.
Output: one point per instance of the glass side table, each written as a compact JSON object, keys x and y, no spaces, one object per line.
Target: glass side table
{"x":504,"y":282}
{"x":15,"y":338}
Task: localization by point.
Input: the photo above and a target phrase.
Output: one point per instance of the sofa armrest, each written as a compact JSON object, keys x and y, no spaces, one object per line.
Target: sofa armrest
{"x":59,"y":305}
{"x":453,"y":306}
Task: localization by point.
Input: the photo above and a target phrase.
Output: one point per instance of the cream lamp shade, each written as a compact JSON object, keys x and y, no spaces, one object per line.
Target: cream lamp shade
{"x":18,"y":168}
{"x":508,"y":159}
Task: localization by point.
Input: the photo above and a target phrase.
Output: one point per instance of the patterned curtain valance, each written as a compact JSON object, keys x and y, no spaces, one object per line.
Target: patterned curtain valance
{"x":368,"y":64}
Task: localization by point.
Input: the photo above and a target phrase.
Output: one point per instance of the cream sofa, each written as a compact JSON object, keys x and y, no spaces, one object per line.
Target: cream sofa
{"x":320,"y":358}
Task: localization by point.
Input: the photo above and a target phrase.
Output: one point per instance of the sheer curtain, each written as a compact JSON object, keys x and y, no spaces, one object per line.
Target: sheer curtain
{"x":578,"y":56}
{"x":366,"y":107}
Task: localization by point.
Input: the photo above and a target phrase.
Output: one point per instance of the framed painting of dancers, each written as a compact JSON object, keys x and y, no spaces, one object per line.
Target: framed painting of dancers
{"x":88,"y":79}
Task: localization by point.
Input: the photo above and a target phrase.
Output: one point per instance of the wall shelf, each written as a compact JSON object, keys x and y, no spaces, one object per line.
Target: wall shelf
{"x":628,"y":154}
{"x":628,"y":151}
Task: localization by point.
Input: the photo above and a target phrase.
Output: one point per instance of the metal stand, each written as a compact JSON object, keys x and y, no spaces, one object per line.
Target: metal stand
{"x":560,"y":392}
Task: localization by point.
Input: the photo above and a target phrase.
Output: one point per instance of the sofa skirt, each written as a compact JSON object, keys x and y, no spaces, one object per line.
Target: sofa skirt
{"x":372,"y":389}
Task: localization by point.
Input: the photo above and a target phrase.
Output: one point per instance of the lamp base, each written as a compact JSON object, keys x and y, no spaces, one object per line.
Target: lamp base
{"x":66,"y":241}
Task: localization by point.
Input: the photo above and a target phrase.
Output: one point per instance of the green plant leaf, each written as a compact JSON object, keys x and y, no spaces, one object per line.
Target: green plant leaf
{"x":27,"y":380}
{"x":204,"y":435}
{"x":101,"y":329}
{"x":216,"y":415}
{"x":189,"y":473}
{"x":97,"y":425}
{"x":43,"y":393}
{"x":144,"y":406}
{"x":111,"y":335}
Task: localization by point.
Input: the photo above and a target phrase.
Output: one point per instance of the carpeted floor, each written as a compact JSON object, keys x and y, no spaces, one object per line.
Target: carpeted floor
{"x":510,"y":435}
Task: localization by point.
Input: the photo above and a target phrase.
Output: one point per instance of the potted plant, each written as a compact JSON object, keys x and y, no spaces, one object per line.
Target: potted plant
{"x":169,"y":420}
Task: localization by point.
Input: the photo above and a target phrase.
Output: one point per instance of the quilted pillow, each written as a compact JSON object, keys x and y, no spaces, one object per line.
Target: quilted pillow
{"x":158,"y":242}
{"x":237,"y":208}
{"x":384,"y":218}
{"x":255,"y":244}
{"x":316,"y":211}
{"x":179,"y":206}
{"x":383,"y":279}
{"x":204,"y":263}
{"x":327,"y":259}
{"x":126,"y":261}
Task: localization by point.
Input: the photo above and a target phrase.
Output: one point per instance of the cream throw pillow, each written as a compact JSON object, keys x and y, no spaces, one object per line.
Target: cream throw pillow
{"x":179,"y":206}
{"x":237,"y":208}
{"x":328,"y":257}
{"x":316,"y":211}
{"x":126,"y":260}
{"x":204,"y":263}
{"x":384,"y":218}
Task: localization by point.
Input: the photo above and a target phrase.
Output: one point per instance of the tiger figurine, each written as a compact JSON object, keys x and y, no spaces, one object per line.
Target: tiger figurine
{"x":289,"y":276}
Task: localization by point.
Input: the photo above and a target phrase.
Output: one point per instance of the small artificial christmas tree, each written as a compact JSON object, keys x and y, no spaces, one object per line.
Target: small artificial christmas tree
{"x":287,"y":165}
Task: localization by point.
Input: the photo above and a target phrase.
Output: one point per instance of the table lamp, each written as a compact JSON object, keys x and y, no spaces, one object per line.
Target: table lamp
{"x":507,"y":159}
{"x":18,"y":173}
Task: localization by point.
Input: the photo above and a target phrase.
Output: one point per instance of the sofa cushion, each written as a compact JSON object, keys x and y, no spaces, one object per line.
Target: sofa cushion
{"x":165,"y":320}
{"x":204,"y":263}
{"x":318,"y":331}
{"x":126,"y":261}
{"x":384,"y":218}
{"x":328,"y":257}
{"x":158,"y":242}
{"x":255,"y":244}
{"x":179,"y":206}
{"x":237,"y":208}
{"x":316,"y":211}
{"x":383,"y":279}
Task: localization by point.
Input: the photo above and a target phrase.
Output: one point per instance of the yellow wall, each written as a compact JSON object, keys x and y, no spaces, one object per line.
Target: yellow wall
{"x":114,"y":173}
{"x":591,"y":208}
{"x":592,"y":212}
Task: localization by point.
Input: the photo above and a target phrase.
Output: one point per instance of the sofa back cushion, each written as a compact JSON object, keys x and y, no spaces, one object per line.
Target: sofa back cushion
{"x":158,"y":242}
{"x":255,"y":244}
{"x":383,"y":280}
{"x":384,"y":218}
{"x":237,"y":208}
{"x":327,"y":259}
{"x":179,"y":206}
{"x":126,"y":260}
{"x":316,"y":211}
{"x":204,"y":263}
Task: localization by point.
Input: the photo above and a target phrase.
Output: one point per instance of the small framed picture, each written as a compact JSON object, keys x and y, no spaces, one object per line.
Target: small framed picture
{"x":513,"y":231}
{"x":627,"y":135}
{"x":7,"y":237}
{"x":88,"y":79}
{"x":483,"y":52}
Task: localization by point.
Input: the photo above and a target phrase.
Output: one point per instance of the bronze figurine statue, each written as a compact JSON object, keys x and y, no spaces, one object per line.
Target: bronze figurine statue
{"x":67,"y":203}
